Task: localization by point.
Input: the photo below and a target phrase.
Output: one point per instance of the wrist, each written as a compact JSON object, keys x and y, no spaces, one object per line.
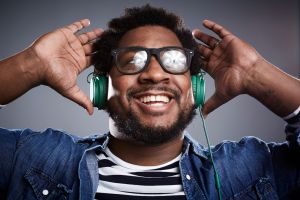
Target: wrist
{"x":31,"y":66}
{"x":273,"y":88}
{"x":256,"y":76}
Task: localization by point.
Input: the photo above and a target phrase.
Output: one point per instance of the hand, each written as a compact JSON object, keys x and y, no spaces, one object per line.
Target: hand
{"x":229,"y":61}
{"x":63,"y":56}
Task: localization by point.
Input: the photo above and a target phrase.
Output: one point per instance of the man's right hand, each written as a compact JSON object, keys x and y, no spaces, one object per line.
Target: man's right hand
{"x":63,"y":56}
{"x":55,"y":59}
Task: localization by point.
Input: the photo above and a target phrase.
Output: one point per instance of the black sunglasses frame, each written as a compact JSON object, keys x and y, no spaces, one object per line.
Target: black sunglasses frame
{"x":156,"y":52}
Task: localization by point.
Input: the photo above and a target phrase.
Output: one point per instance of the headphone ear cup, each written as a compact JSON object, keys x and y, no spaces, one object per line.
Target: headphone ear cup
{"x":198,"y":84}
{"x":98,"y":91}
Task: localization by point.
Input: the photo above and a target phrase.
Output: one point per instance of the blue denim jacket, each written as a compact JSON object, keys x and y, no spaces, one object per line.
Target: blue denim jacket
{"x":55,"y":165}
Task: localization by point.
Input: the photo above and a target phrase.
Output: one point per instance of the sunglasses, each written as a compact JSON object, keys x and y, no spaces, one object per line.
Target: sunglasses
{"x":133,"y":60}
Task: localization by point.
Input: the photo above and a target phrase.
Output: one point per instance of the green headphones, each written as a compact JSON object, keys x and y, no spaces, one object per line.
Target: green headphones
{"x":99,"y":90}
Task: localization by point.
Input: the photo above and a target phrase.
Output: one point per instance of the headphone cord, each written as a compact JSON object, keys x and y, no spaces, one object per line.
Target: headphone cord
{"x":216,"y":175}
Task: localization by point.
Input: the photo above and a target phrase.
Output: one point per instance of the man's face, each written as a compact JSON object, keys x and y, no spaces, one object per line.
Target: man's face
{"x":159,"y":102}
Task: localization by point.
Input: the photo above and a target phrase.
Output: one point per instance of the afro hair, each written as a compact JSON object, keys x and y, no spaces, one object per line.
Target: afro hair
{"x":136,"y":17}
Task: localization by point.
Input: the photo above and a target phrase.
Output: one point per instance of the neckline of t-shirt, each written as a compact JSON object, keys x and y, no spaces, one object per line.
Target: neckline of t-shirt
{"x":128,"y":165}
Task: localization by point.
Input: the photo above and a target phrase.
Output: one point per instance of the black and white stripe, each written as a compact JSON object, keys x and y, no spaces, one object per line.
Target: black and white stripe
{"x":293,"y":118}
{"x":293,"y":123}
{"x":122,"y":180}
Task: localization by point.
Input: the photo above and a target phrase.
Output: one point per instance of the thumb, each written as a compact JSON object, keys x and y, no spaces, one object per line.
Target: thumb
{"x":78,"y":96}
{"x":212,"y":103}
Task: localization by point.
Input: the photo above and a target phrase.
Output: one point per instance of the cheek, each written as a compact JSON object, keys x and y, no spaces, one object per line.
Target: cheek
{"x":117,"y":89}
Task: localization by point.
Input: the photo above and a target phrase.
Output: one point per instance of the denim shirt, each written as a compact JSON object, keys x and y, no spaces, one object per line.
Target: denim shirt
{"x":56,"y":165}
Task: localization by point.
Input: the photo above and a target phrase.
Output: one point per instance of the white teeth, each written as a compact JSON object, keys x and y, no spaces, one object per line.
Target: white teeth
{"x":152,"y":98}
{"x":155,"y":98}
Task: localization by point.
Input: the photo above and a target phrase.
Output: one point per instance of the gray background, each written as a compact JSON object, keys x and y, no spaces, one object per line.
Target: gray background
{"x":272,"y":27}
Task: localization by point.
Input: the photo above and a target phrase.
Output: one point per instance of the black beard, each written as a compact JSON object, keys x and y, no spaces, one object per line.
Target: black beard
{"x":133,"y":128}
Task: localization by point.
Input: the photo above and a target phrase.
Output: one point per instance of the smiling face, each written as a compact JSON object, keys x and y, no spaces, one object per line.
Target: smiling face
{"x":152,"y":106}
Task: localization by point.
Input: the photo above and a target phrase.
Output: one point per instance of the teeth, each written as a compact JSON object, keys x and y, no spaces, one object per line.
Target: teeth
{"x":155,"y":98}
{"x":152,"y":98}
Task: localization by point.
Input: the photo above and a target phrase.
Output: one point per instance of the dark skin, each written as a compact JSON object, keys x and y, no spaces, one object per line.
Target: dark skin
{"x":145,"y":155}
{"x":160,"y":115}
{"x":150,"y":37}
{"x":236,"y":67}
{"x":66,"y":57}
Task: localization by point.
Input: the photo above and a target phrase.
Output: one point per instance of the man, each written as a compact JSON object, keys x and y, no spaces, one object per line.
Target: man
{"x":149,"y":58}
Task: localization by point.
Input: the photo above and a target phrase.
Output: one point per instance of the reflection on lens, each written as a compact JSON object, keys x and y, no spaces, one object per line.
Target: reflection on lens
{"x":174,"y":60}
{"x":132,"y":60}
{"x":139,"y":59}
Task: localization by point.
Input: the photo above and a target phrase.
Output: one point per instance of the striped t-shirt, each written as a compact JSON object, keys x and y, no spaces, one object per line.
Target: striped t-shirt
{"x":121,"y":180}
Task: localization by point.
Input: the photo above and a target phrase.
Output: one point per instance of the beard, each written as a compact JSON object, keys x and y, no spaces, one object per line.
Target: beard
{"x":132,"y":127}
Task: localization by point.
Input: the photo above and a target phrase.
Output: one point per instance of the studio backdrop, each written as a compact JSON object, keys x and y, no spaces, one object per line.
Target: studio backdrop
{"x":272,"y":27}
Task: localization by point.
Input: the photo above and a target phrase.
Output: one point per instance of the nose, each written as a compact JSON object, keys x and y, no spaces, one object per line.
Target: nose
{"x":154,"y":73}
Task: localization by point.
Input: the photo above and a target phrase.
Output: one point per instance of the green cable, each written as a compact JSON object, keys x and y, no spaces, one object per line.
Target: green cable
{"x":216,"y":175}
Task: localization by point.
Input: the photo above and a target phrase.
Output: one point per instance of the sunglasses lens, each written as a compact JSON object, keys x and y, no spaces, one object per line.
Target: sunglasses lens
{"x":174,"y":60}
{"x":131,"y":61}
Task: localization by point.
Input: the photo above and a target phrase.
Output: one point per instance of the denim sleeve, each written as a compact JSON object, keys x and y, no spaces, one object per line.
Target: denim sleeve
{"x":8,"y":144}
{"x":286,"y":160}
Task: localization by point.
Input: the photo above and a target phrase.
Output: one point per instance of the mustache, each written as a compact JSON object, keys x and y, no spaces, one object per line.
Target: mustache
{"x":133,"y":91}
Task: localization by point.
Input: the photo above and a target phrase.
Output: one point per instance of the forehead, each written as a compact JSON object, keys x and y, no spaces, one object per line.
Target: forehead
{"x":150,"y":37}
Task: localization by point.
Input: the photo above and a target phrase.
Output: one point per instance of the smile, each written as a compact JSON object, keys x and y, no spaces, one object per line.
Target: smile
{"x":155,"y":100}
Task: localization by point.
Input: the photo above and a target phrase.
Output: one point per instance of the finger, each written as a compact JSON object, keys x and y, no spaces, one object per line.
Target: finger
{"x":77,"y":26}
{"x":77,"y":95}
{"x":207,"y":39}
{"x":89,"y":36}
{"x":213,"y":103}
{"x":88,"y":49}
{"x":204,"y":51}
{"x":218,"y":29}
{"x":204,"y":64}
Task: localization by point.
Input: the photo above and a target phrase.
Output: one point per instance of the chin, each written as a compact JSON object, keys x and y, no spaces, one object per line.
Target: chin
{"x":153,"y":122}
{"x":152,"y":128}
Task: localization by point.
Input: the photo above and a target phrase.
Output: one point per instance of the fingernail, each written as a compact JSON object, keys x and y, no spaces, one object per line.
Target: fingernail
{"x":98,"y":31}
{"x":194,"y":32}
{"x":90,"y":112}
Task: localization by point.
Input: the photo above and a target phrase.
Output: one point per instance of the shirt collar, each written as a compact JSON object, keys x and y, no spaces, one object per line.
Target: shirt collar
{"x":93,"y":140}
{"x":191,"y":145}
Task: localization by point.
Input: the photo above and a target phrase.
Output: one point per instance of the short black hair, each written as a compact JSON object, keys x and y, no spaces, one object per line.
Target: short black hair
{"x":142,"y":16}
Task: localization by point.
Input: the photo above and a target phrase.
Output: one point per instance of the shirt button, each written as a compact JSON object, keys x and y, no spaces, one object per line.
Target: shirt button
{"x":188,"y":177}
{"x":45,"y":192}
